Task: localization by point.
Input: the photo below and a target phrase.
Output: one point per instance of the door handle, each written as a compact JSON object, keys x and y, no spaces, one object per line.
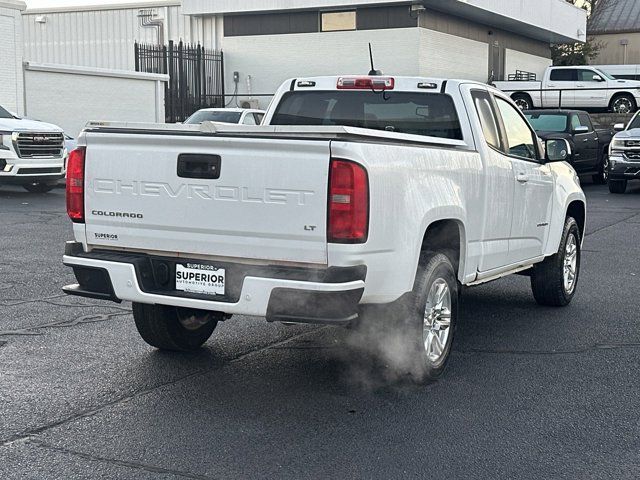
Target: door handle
{"x":522,"y":178}
{"x":585,"y":140}
{"x":193,"y":165}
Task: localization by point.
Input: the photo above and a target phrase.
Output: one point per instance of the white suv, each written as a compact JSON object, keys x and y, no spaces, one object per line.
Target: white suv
{"x":32,"y":153}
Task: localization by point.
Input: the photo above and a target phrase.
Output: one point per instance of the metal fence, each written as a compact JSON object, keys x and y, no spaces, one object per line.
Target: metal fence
{"x":196,"y":76}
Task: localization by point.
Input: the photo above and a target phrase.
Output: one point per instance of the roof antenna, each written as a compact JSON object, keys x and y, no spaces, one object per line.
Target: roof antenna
{"x":373,"y":71}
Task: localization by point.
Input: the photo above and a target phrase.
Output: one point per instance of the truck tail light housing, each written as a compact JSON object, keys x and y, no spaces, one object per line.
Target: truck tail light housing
{"x":348,"y":217}
{"x":365,"y":83}
{"x":75,"y":185}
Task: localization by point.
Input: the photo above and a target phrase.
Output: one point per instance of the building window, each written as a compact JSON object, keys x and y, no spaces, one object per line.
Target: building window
{"x":338,"y":21}
{"x":311,"y":21}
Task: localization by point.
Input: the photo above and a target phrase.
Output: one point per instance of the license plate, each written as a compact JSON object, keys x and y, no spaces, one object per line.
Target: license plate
{"x":197,"y":278}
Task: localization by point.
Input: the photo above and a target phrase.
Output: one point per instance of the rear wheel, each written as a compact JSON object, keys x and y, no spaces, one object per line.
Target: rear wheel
{"x":431,"y":318}
{"x":174,"y":328}
{"x":39,"y":187}
{"x":523,"y":101}
{"x":554,"y":281}
{"x":617,"y":186}
{"x":416,"y":332}
{"x":624,"y":103}
{"x":602,"y":176}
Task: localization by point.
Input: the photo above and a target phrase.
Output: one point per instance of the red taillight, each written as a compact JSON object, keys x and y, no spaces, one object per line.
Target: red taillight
{"x":75,"y":185}
{"x":365,"y":83}
{"x":348,"y":202}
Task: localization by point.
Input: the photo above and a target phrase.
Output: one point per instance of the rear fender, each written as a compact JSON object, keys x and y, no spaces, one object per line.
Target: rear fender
{"x":449,"y":213}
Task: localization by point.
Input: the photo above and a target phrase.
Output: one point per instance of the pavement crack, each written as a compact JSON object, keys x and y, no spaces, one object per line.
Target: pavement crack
{"x":49,"y":301}
{"x":85,"y":319}
{"x":121,"y":463}
{"x":612,"y":225}
{"x":30,"y":433}
{"x":586,"y":349}
{"x":13,"y":302}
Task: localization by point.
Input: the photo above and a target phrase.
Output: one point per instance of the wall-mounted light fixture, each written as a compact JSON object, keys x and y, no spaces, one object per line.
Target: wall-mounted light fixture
{"x":416,"y":10}
{"x":624,"y":43}
{"x":41,"y":19}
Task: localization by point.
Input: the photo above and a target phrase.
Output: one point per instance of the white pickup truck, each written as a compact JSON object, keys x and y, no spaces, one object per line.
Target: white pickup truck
{"x":356,"y":195}
{"x":32,"y":153}
{"x":574,"y":87}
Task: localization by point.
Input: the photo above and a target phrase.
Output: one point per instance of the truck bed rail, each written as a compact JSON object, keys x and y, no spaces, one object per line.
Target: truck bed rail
{"x":522,"y":76}
{"x":272,"y":131}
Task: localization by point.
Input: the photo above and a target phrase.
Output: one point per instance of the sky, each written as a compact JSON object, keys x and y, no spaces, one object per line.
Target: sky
{"x":68,"y":3}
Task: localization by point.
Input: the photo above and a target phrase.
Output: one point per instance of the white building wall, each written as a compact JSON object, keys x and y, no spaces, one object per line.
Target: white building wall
{"x":72,"y":96}
{"x":271,"y":59}
{"x":553,"y":20}
{"x":523,"y":61}
{"x":449,"y":56}
{"x":11,"y":55}
{"x":104,"y":37}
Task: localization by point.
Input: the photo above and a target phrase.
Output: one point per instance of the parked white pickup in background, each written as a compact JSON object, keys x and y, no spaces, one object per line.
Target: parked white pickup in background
{"x":573,"y":87}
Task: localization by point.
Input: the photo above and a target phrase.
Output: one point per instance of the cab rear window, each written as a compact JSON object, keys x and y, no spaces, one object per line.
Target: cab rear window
{"x":428,"y":114}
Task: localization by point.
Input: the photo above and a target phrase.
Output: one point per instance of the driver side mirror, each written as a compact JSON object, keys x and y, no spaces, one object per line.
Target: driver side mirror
{"x":618,"y":127}
{"x":598,"y":78}
{"x":557,"y":150}
{"x":581,"y":129}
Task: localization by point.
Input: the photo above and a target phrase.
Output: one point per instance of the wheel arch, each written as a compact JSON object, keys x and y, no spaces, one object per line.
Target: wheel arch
{"x":578,"y":210}
{"x":514,"y":95}
{"x":448,"y":236}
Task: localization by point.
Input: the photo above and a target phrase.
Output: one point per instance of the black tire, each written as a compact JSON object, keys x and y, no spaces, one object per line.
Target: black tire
{"x":617,"y":186}
{"x":548,"y":278}
{"x":623,"y":103}
{"x":400,"y":327}
{"x":163,"y":326}
{"x":39,"y":187}
{"x":522,"y":100}
{"x":602,"y":176}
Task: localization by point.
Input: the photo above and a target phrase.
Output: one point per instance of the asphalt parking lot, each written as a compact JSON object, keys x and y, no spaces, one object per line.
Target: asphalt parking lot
{"x":530,"y":392}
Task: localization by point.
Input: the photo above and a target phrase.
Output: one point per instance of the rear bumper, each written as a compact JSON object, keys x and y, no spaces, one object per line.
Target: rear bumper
{"x":328,"y":295}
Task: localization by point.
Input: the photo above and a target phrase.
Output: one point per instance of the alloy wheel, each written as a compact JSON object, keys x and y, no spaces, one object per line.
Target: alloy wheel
{"x":437,"y":320}
{"x":570,"y":264}
{"x":622,"y":105}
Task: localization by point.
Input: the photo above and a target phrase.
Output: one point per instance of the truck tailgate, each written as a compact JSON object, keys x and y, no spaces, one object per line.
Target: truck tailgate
{"x":268,"y":202}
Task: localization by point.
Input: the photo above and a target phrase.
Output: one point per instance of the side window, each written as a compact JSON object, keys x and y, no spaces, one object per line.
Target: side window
{"x":563,"y":75}
{"x":585,"y":121}
{"x":487,"y":117}
{"x":521,"y":140}
{"x":575,"y":122}
{"x":586,"y":75}
{"x":249,"y":119}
